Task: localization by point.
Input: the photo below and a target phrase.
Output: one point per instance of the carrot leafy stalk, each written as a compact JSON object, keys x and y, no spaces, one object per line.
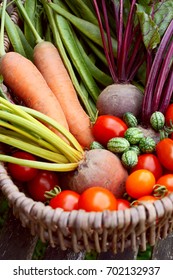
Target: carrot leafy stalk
{"x":20,"y":127}
{"x":130,"y":48}
{"x":156,"y":20}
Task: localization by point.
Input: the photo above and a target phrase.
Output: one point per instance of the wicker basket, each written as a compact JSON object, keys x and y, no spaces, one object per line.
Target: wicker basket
{"x":79,"y":230}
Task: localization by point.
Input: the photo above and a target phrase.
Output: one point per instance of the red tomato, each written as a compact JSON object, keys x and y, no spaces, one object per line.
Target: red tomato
{"x":164,"y":151}
{"x":169,"y":115}
{"x":43,"y":181}
{"x":122,"y":204}
{"x":140,"y":183}
{"x":97,"y":199}
{"x":107,"y":127}
{"x":19,"y":172}
{"x":167,"y":181}
{"x":149,"y":162}
{"x":67,"y":200}
{"x":146,"y":198}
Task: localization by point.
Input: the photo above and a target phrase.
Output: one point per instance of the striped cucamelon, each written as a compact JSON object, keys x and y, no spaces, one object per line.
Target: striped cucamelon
{"x":147,"y":145}
{"x":133,"y":135}
{"x":118,"y":145}
{"x":157,"y":120}
{"x":96,"y":145}
{"x":130,"y":119}
{"x":129,"y":159}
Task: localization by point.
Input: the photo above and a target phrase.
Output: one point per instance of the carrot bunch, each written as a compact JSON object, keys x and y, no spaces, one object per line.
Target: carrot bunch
{"x":45,"y":85}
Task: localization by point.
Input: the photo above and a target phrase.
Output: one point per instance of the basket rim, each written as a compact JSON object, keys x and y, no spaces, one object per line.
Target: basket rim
{"x":80,"y":230}
{"x":14,"y":189}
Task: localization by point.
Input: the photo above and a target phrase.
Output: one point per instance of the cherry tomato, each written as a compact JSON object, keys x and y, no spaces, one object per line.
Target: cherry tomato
{"x":167,"y":181}
{"x":67,"y":200}
{"x":146,"y":198}
{"x":169,"y":115}
{"x":43,"y":181}
{"x":140,"y":183}
{"x":19,"y":172}
{"x":107,"y":127}
{"x":164,"y":151}
{"x":149,"y":162}
{"x":97,"y":199}
{"x":122,"y":204}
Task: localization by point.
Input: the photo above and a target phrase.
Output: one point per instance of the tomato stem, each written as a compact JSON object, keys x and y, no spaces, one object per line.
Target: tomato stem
{"x":160,"y":191}
{"x":52,"y":193}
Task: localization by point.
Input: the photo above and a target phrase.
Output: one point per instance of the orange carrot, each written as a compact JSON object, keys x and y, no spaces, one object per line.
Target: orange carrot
{"x":28,"y":84}
{"x":50,"y":64}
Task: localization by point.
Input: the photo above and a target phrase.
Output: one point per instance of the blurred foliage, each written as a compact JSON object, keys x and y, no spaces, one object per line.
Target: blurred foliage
{"x":39,"y":250}
{"x":146,"y":255}
{"x":3,"y":210}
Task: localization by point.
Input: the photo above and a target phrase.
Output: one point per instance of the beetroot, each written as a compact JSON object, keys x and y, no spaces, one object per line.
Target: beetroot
{"x":99,"y":167}
{"x":118,"y":99}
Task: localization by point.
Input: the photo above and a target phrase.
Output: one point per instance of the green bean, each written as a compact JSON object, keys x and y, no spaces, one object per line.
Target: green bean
{"x":39,"y":19}
{"x":68,"y":39}
{"x":30,"y":7}
{"x":89,"y":4}
{"x":90,"y":101}
{"x":99,"y":75}
{"x":48,"y":34}
{"x":89,"y":29}
{"x":21,"y":8}
{"x":99,"y":53}
{"x":61,"y":4}
{"x":13,"y":35}
{"x":25,"y":44}
{"x":82,"y":10}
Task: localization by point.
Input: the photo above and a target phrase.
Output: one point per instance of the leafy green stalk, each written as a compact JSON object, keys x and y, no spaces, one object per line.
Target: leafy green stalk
{"x":22,"y":144}
{"x":60,"y":167}
{"x":35,"y":117}
{"x":35,"y":127}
